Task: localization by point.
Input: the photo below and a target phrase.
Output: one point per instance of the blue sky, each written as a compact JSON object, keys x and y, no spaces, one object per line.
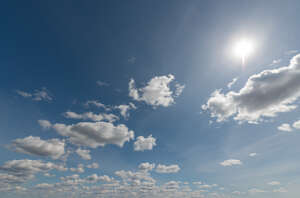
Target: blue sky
{"x":131,"y":99}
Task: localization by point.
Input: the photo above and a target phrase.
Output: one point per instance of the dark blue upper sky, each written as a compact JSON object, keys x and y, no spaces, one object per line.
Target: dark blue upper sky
{"x":67,"y":66}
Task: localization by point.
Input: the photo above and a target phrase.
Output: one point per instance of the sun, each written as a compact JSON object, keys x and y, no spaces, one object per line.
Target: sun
{"x":243,"y":49}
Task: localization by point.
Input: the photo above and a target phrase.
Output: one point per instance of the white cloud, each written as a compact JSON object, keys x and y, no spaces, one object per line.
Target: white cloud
{"x":143,"y":143}
{"x":93,"y":165}
{"x":252,"y":154}
{"x":167,"y":169}
{"x":53,"y":148}
{"x":84,"y":154}
{"x":179,"y":89}
{"x":97,"y":104}
{"x":79,"y":169}
{"x":102,"y":84}
{"x":285,"y":127}
{"x":37,"y":95}
{"x":229,"y":85}
{"x":45,"y":124}
{"x":124,"y":109}
{"x":91,"y":116}
{"x":95,"y":134}
{"x":26,"y":169}
{"x":24,"y":94}
{"x":157,"y":92}
{"x":231,"y":162}
{"x":296,"y":124}
{"x":274,"y":183}
{"x":146,"y":166}
{"x":264,"y":95}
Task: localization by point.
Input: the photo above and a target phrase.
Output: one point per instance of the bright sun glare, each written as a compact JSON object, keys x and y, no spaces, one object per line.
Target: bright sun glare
{"x":243,"y":49}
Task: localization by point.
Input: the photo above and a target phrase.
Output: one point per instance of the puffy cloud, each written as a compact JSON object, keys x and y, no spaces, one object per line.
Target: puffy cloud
{"x":274,"y":183}
{"x":264,"y":95}
{"x":79,"y":169}
{"x":167,"y":169}
{"x":146,"y":166}
{"x":93,"y":165}
{"x":106,"y":179}
{"x":53,"y":148}
{"x":37,"y":95}
{"x":95,"y":134}
{"x":179,"y":89}
{"x":124,"y":109}
{"x":231,"y":162}
{"x":157,"y":92}
{"x":229,"y":85}
{"x":252,"y":154}
{"x":296,"y":124}
{"x":285,"y":127}
{"x":45,"y":124}
{"x":91,"y":116}
{"x":143,"y":143}
{"x":84,"y":154}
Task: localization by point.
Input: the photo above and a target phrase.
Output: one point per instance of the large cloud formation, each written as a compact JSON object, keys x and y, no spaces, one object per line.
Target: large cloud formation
{"x":95,"y":134}
{"x":53,"y":148}
{"x":157,"y":92}
{"x":264,"y":95}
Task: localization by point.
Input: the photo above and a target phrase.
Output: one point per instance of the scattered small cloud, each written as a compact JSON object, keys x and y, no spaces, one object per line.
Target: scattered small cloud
{"x":229,"y":85}
{"x":38,"y":95}
{"x":252,"y":154}
{"x":142,"y":143}
{"x":231,"y":162}
{"x":274,"y":183}
{"x":157,"y":92}
{"x":102,"y":84}
{"x":285,"y":127}
{"x":84,"y":154}
{"x":174,"y":168}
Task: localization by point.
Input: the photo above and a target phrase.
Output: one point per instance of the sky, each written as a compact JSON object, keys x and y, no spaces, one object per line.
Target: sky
{"x":123,"y":99}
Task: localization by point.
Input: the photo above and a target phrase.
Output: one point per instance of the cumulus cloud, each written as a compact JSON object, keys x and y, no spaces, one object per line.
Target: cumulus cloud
{"x":255,"y":190}
{"x":280,"y":190}
{"x":95,"y":134}
{"x":231,"y":162}
{"x":142,"y":143}
{"x":229,"y":85}
{"x":93,"y":165}
{"x":37,"y":95}
{"x":91,"y":116}
{"x":45,"y":124}
{"x":84,"y":154}
{"x":263,"y":96}
{"x":53,"y":148}
{"x":157,"y":92}
{"x":167,"y":169}
{"x":285,"y":127}
{"x":146,"y":166}
{"x":79,"y":169}
{"x":124,"y":109}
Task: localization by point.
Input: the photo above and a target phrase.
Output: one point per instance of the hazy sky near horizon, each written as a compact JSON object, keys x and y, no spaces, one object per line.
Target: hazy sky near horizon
{"x":147,"y":99}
